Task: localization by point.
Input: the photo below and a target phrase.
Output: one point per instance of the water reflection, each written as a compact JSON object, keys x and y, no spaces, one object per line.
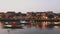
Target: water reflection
{"x":42,"y":28}
{"x":41,"y":25}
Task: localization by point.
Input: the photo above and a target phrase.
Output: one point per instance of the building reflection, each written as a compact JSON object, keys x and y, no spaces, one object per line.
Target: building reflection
{"x":42,"y":25}
{"x":1,"y":25}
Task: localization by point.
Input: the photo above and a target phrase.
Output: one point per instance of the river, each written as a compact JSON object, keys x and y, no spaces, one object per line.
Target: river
{"x":32,"y":30}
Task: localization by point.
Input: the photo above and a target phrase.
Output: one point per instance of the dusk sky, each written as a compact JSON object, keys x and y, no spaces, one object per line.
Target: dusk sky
{"x":30,"y":5}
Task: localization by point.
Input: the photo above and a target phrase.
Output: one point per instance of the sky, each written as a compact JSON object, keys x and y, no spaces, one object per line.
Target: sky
{"x":30,"y":5}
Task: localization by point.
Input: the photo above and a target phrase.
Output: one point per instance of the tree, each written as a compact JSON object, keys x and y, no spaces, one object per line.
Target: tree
{"x":50,"y":16}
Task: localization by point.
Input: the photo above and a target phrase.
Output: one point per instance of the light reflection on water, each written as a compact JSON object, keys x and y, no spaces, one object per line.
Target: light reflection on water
{"x":28,"y":29}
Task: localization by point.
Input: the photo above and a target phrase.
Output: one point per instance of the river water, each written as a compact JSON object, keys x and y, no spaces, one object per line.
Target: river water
{"x":32,"y":30}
